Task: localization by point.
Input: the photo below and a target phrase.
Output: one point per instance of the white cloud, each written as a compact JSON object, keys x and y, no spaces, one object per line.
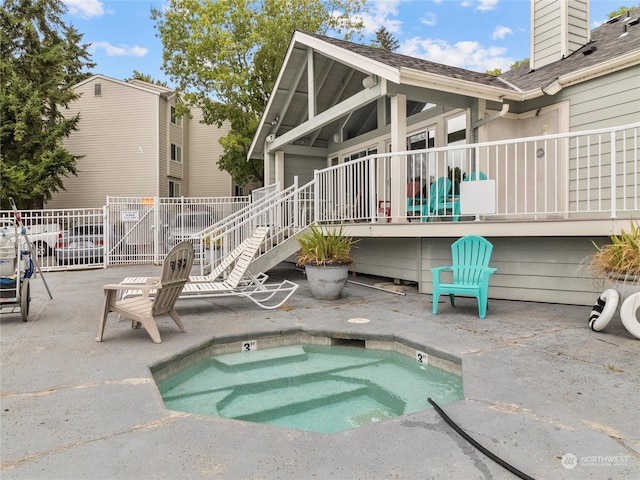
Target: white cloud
{"x":118,"y":51}
{"x":483,"y":5}
{"x":429,"y":19}
{"x":382,"y":13}
{"x":487,"y":5}
{"x":500,"y":32}
{"x":85,"y":8}
{"x":467,"y":54}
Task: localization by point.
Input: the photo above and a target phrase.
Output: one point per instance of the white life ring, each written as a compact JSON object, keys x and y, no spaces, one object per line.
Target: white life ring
{"x":604,"y":309}
{"x":629,"y":312}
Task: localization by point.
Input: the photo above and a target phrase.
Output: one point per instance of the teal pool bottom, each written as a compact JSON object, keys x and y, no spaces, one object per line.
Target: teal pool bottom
{"x":310,"y":387}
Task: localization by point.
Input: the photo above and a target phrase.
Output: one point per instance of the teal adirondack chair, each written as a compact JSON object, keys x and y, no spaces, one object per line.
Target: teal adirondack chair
{"x":471,"y":272}
{"x":440,"y":201}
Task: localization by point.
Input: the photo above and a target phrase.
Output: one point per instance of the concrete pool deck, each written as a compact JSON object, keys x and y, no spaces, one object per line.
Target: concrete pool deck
{"x":542,"y":391}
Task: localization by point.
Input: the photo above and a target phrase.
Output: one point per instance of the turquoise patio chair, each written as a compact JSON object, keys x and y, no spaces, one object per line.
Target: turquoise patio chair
{"x":472,"y":177}
{"x":440,"y":201}
{"x":471,"y":272}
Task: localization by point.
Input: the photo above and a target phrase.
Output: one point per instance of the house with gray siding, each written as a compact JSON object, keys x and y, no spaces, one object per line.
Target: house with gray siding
{"x":133,"y":145}
{"x":544,"y":159}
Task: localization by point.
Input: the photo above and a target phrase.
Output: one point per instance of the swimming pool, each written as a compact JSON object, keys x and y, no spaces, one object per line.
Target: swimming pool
{"x":318,"y":388}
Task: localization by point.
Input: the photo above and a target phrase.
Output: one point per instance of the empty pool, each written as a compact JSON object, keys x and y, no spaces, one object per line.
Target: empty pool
{"x":310,"y":387}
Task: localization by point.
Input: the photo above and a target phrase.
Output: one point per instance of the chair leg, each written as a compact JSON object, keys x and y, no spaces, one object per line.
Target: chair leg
{"x":150,"y":326}
{"x":176,"y":318}
{"x":483,"y":304}
{"x":452,"y":299}
{"x":109,"y":296}
{"x":436,"y":297}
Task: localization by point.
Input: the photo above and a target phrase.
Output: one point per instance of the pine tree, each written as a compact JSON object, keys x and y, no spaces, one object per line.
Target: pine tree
{"x":385,"y":40}
{"x":41,"y":60}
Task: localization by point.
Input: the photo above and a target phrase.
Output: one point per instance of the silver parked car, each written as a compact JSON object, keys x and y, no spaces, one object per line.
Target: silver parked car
{"x":83,"y":244}
{"x":186,"y":226}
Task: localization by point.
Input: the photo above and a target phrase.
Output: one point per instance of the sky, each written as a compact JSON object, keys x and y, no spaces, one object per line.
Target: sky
{"x":478,"y":35}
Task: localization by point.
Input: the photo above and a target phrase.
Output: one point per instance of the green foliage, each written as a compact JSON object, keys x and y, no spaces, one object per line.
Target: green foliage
{"x":496,"y":72}
{"x":621,"y":257}
{"x":318,"y":247}
{"x":518,"y":63}
{"x":385,"y":40}
{"x":225,"y":55}
{"x":145,"y":77}
{"x":41,"y":60}
{"x":621,"y":11}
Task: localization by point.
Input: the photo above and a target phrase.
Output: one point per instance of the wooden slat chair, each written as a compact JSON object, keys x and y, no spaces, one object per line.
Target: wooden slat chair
{"x":471,"y":272}
{"x":239,"y":282}
{"x":222,"y":270}
{"x":143,"y":309}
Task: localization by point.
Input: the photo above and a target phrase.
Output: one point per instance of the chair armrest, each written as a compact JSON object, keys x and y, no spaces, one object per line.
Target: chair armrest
{"x":132,"y":286}
{"x":437,"y":271}
{"x":487,"y":272}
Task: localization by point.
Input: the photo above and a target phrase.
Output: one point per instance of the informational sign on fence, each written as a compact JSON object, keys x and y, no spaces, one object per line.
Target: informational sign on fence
{"x":129,"y":215}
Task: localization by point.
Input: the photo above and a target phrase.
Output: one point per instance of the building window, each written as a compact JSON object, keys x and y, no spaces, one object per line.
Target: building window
{"x":176,"y":153}
{"x":97,"y":90}
{"x":174,"y":189}
{"x":176,"y":120}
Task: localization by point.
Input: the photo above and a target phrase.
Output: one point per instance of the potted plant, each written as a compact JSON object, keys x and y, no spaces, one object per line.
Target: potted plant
{"x":326,"y":258}
{"x":619,"y":261}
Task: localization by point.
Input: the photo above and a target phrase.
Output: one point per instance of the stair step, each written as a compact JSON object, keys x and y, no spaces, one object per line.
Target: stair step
{"x":249,"y":360}
{"x":287,"y":400}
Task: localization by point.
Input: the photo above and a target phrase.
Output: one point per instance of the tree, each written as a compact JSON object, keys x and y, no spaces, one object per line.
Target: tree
{"x":385,"y":40}
{"x":225,"y":55}
{"x":145,"y":77}
{"x":519,"y":63}
{"x":620,"y":11}
{"x":496,"y":72}
{"x":42,"y":59}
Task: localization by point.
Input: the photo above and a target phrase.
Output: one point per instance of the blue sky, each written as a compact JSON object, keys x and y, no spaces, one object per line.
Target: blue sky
{"x":474,"y":34}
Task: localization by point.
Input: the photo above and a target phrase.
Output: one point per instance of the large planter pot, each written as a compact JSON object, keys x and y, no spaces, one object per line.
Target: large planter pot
{"x":626,"y":286}
{"x":326,"y":282}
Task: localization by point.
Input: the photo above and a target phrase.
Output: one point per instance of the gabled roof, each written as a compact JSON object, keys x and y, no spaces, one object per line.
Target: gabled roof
{"x":136,"y":84}
{"x":344,"y":65}
{"x":399,"y":61}
{"x":607,"y":43}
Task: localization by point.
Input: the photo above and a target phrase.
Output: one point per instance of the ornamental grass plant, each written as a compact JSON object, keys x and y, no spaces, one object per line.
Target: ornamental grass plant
{"x":621,"y":258}
{"x":321,"y":248}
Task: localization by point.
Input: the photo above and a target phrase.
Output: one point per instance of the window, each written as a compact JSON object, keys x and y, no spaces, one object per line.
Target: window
{"x":97,"y":90}
{"x":174,"y":189}
{"x":176,"y":153}
{"x":176,"y":120}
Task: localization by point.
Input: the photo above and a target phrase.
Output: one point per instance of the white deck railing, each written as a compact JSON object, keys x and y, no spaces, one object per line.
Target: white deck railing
{"x":583,"y":175}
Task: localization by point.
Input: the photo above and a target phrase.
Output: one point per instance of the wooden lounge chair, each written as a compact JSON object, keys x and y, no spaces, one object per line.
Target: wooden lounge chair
{"x":471,"y":272}
{"x":224,"y":267}
{"x":143,"y":308}
{"x":238,"y":283}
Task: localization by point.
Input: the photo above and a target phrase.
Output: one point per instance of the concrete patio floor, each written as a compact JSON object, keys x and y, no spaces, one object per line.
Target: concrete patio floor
{"x":541,"y":390}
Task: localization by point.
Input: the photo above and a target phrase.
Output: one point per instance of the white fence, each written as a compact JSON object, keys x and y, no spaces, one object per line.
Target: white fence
{"x":594,"y":174}
{"x":124,"y":231}
{"x":583,"y":175}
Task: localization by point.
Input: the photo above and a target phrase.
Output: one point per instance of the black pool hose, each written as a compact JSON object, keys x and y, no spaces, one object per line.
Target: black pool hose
{"x":464,"y":435}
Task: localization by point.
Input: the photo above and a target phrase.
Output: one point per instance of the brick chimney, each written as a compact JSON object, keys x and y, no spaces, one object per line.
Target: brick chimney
{"x":558,"y":28}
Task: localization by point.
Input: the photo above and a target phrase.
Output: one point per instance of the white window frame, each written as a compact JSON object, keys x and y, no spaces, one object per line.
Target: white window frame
{"x":176,"y":153}
{"x":175,"y":119}
{"x":175,"y":189}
